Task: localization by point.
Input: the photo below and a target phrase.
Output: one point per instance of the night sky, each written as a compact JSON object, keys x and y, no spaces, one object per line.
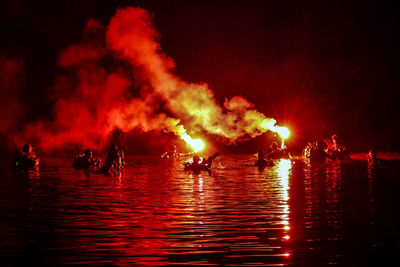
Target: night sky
{"x":320,"y":67}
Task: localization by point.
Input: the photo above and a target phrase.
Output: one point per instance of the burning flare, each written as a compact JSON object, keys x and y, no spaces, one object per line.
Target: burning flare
{"x":283,"y":132}
{"x":270,"y":124}
{"x":196,"y":144}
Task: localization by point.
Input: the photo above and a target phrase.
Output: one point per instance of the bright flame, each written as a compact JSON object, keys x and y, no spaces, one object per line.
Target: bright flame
{"x":196,"y":144}
{"x":283,"y":132}
{"x":268,"y":124}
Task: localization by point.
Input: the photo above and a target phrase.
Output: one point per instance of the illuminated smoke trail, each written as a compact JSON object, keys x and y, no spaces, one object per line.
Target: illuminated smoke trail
{"x":131,"y":35}
{"x":93,"y":99}
{"x":124,"y":81}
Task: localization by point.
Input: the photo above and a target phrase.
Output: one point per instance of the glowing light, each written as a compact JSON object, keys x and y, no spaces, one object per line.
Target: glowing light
{"x":284,"y":167}
{"x":283,"y":170}
{"x":191,"y":160}
{"x":196,"y":144}
{"x":283,"y":132}
{"x":286,"y":254}
{"x":286,"y":237}
{"x":270,"y":124}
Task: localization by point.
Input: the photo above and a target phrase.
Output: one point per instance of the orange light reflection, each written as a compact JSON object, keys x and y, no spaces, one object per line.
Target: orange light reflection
{"x":283,"y":169}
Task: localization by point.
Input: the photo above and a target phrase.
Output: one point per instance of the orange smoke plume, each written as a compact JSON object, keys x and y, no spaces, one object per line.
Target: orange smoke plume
{"x":131,"y":35}
{"x":127,"y":82}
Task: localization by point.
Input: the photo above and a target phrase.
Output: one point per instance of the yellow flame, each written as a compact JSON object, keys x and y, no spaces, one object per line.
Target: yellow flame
{"x":270,"y":124}
{"x":196,"y":144}
{"x":283,"y":132}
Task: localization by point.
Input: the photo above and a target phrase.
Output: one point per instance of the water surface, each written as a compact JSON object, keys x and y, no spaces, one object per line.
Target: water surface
{"x":155,"y":213}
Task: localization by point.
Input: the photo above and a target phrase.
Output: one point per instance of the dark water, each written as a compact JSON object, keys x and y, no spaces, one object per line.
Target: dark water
{"x":154,"y":213}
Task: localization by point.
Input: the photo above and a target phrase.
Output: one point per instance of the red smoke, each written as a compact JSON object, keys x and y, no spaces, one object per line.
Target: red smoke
{"x":131,"y":36}
{"x":118,"y":77}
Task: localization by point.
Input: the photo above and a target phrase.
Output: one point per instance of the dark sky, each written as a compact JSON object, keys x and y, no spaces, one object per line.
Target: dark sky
{"x":320,"y":67}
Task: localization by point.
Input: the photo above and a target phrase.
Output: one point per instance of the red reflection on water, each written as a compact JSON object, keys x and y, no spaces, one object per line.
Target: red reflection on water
{"x":323,"y":220}
{"x":283,"y":170}
{"x":154,"y":214}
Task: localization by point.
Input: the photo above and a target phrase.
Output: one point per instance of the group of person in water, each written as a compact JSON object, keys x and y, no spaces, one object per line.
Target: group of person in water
{"x":197,"y":163}
{"x":326,"y":149}
{"x":26,"y":159}
{"x":274,"y":152}
{"x":318,"y":151}
{"x":115,"y":160}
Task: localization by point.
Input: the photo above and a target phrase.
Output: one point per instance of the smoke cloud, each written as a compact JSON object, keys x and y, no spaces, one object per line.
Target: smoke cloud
{"x":119,"y":78}
{"x":132,"y":37}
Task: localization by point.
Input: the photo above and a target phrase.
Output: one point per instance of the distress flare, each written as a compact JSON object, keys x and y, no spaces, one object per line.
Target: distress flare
{"x":196,"y":144}
{"x":270,"y":124}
